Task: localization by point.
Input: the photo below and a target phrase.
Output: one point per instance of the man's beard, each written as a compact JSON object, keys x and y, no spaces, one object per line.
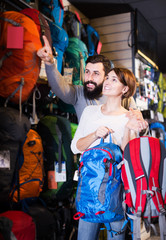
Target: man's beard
{"x":95,"y":93}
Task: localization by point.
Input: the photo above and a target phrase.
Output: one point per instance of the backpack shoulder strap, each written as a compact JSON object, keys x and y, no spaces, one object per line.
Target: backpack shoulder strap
{"x":155,"y":147}
{"x":134,"y":171}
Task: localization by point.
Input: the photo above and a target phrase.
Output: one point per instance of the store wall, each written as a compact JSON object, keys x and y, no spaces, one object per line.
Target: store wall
{"x":114,"y":32}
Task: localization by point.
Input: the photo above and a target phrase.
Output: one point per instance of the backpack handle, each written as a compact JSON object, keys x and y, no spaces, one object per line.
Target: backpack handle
{"x":102,"y":139}
{"x":78,"y":215}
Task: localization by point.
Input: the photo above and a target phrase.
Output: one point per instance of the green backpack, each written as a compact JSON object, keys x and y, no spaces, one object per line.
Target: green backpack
{"x":56,"y":135}
{"x":76,"y":55}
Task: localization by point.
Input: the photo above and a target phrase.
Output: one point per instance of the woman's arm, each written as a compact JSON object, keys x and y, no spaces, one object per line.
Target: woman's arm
{"x":83,"y":138}
{"x":83,"y":143}
{"x":132,"y":128}
{"x":128,"y":135}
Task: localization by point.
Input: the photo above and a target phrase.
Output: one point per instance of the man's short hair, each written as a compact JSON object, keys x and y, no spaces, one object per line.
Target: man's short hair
{"x":100,"y":58}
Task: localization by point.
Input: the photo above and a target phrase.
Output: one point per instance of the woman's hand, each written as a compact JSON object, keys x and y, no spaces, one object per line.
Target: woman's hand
{"x":83,"y":143}
{"x":102,"y":132}
{"x":137,"y":125}
{"x":45,"y":53}
{"x":136,"y":121}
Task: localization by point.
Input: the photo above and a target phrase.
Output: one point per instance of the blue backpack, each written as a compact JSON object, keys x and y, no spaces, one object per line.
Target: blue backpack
{"x":91,"y":39}
{"x":100,"y":189}
{"x":60,"y":42}
{"x":53,"y":9}
{"x":160,"y":129}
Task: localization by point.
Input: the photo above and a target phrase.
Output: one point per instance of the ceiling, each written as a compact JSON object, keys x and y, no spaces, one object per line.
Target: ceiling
{"x":153,"y":10}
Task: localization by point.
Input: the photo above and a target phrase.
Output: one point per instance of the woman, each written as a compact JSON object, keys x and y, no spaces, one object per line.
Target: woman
{"x":97,"y":122}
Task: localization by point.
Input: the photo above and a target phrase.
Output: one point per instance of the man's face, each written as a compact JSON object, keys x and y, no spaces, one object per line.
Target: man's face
{"x":94,"y":77}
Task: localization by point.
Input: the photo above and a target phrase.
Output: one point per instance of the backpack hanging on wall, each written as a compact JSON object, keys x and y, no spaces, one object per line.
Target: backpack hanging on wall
{"x":59,"y":42}
{"x":17,"y":225}
{"x":76,"y":55}
{"x":100,"y":190}
{"x":41,"y":23}
{"x":72,"y":24}
{"x":53,"y":9}
{"x":28,"y":181}
{"x":92,"y":40}
{"x":13,"y":130}
{"x":55,"y":132}
{"x":158,"y":130}
{"x":19,"y":63}
{"x":143,"y":175}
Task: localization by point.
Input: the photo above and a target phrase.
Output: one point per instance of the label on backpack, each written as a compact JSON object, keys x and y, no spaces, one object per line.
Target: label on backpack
{"x":15,"y":37}
{"x":5,"y":159}
{"x":60,"y":176}
{"x":68,"y":75}
{"x":52,"y":184}
{"x":75,"y":178}
{"x":42,"y":73}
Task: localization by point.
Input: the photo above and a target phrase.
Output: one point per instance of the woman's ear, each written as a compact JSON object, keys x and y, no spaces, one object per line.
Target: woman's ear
{"x":125,"y":89}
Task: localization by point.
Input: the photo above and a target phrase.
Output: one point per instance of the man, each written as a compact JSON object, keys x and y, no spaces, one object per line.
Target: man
{"x":97,"y":67}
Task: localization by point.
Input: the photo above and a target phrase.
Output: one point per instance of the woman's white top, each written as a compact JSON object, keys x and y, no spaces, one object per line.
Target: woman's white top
{"x":91,"y":119}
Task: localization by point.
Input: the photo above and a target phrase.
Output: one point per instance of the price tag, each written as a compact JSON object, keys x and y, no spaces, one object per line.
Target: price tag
{"x":75,"y":178}
{"x":68,"y":75}
{"x":52,"y":184}
{"x":5,"y":159}
{"x":60,"y":176}
{"x":15,"y":36}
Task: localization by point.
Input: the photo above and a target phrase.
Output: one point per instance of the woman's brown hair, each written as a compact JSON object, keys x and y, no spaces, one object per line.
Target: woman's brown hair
{"x":127,"y":78}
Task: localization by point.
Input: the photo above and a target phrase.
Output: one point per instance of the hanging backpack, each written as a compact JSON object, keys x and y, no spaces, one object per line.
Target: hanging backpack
{"x":19,"y":63}
{"x":92,"y":40}
{"x":13,"y":130}
{"x":59,"y":42}
{"x":143,"y":175}
{"x":76,"y":55}
{"x":158,"y":128}
{"x":41,"y":22}
{"x":100,"y":189}
{"x":17,"y":225}
{"x":55,"y":132}
{"x":72,"y":24}
{"x":28,"y":181}
{"x":53,"y":9}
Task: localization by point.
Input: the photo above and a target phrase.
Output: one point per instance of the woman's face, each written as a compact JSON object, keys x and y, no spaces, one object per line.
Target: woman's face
{"x":112,"y":85}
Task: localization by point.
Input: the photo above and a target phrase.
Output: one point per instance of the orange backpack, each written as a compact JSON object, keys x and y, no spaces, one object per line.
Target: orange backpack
{"x":31,"y":169}
{"x":19,"y":67}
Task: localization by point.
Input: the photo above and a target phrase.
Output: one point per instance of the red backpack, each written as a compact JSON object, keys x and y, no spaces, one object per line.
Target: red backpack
{"x":17,"y":225}
{"x":19,"y":65}
{"x":144,"y":178}
{"x":41,"y":22}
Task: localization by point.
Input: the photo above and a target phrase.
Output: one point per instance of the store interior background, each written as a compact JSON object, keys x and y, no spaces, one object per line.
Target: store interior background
{"x":153,"y":14}
{"x":114,"y":22}
{"x":153,"y":11}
